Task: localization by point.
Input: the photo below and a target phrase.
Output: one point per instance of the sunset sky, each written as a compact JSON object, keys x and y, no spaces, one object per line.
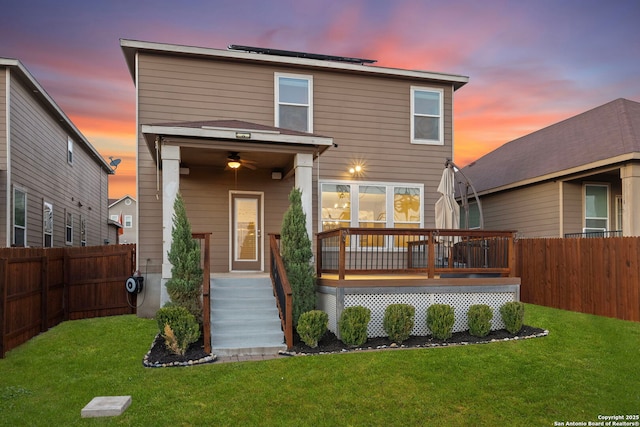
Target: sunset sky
{"x":531,"y":63}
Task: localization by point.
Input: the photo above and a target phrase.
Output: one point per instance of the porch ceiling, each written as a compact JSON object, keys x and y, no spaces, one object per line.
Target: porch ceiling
{"x":210,"y":143}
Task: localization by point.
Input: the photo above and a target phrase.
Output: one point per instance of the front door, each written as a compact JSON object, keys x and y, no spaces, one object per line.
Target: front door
{"x":246,"y":231}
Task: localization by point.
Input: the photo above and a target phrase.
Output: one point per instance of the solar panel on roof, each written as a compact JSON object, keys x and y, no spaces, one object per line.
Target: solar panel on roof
{"x":294,"y":54}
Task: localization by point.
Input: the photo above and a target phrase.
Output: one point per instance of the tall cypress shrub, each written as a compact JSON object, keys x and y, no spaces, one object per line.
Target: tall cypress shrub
{"x":295,"y":247}
{"x":185,"y":286}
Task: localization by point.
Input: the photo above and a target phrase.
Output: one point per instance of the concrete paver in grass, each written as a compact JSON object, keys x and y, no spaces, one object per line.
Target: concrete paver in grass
{"x":106,"y":406}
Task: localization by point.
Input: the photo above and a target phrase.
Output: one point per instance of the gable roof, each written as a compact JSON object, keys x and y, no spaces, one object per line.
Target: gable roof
{"x":53,"y":109}
{"x":604,"y":135}
{"x":131,"y":47}
{"x":113,"y":202}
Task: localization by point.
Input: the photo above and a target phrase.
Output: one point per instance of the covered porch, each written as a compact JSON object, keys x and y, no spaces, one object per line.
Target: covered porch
{"x":218,"y":165}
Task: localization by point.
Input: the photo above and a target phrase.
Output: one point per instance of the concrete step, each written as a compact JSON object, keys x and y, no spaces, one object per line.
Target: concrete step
{"x":244,"y":317}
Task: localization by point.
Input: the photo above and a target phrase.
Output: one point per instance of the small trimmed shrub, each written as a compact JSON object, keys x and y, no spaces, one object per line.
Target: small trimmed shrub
{"x":513,"y":316}
{"x":440,"y":319}
{"x":353,"y":325}
{"x":398,"y":321}
{"x":178,"y":327}
{"x":312,"y":326}
{"x":479,"y":320}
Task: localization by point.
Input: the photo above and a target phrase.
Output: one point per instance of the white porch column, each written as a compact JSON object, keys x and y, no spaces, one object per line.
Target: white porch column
{"x":170,"y":188}
{"x":303,"y":166}
{"x":630,"y":175}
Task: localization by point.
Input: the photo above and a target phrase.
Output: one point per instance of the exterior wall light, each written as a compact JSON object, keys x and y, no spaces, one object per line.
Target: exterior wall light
{"x":355,"y":170}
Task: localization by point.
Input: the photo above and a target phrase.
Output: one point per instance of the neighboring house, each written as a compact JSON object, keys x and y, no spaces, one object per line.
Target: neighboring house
{"x":124,"y":211}
{"x":234,"y":131}
{"x":577,"y":177}
{"x":53,"y":183}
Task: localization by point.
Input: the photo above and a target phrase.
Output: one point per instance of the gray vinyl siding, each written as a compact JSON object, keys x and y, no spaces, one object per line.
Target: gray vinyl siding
{"x":531,"y":211}
{"x":4,"y":105}
{"x":39,"y":166}
{"x":367,"y":116}
{"x":572,"y":211}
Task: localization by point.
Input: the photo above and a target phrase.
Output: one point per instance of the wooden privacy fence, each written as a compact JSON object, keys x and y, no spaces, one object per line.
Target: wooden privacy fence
{"x":40,"y":288}
{"x":597,"y":275}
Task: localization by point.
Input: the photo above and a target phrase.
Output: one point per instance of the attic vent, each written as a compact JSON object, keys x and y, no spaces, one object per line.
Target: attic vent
{"x":293,"y":54}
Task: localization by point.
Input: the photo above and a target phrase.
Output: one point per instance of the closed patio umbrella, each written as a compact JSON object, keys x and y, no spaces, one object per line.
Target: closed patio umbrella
{"x":447,"y":210}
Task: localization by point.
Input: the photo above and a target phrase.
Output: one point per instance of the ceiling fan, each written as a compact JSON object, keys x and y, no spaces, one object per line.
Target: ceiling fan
{"x":234,"y":162}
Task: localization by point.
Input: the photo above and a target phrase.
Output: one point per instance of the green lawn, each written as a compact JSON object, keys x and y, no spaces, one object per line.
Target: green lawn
{"x":587,"y":366}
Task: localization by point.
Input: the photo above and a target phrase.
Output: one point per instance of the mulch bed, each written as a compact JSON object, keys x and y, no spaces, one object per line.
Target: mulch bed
{"x":159,"y":356}
{"x":331,"y":344}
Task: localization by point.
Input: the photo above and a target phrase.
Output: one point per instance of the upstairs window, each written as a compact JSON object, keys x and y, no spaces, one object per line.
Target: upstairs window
{"x":70,"y":151}
{"x":69,"y":228}
{"x":128,"y":221}
{"x":426,"y":116}
{"x":19,"y":218}
{"x":294,"y":102}
{"x":47,"y":225}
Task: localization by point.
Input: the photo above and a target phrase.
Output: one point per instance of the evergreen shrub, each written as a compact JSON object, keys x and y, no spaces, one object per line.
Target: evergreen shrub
{"x":512,"y":314}
{"x":295,"y":247}
{"x":440,"y":320}
{"x":479,"y":320}
{"x":178,"y":327}
{"x":353,"y":325}
{"x":312,"y":326}
{"x":398,"y":321}
{"x":185,"y":285}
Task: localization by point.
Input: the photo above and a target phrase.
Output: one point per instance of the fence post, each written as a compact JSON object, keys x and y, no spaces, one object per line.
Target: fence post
{"x":3,"y":302}
{"x":44,"y":284}
{"x":65,"y":285}
{"x":512,"y":255}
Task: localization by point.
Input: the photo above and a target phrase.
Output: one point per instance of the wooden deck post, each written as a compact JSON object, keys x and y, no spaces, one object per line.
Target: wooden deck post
{"x":431,"y":256}
{"x":343,"y":255}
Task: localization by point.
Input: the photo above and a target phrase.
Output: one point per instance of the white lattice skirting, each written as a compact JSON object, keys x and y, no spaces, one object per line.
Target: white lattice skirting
{"x":334,"y":300}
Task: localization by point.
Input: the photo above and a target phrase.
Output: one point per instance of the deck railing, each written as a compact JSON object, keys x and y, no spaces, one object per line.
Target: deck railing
{"x":436,"y":253}
{"x":595,"y":234}
{"x":281,"y":289}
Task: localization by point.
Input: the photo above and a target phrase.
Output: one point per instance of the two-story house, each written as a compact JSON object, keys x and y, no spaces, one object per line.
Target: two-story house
{"x":53,"y":182}
{"x":235,"y":130}
{"x":124,"y":211}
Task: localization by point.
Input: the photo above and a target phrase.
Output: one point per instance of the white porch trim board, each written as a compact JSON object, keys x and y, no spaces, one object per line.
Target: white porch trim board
{"x":170,"y":189}
{"x":630,"y":175}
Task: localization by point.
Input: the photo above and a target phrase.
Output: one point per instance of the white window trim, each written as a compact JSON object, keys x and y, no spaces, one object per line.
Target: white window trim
{"x":440,"y":140}
{"x":114,"y":218}
{"x":44,"y":230}
{"x":128,"y":221}
{"x":69,"y":150}
{"x":584,"y":206}
{"x":276,"y":98}
{"x":83,"y":231}
{"x":13,"y":215}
